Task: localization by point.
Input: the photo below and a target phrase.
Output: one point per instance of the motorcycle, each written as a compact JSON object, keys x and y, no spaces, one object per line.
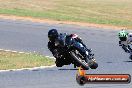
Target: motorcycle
{"x":75,"y":53}
{"x":130,"y":50}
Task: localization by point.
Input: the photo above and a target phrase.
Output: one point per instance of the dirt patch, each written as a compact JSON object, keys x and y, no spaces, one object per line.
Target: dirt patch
{"x":12,"y":17}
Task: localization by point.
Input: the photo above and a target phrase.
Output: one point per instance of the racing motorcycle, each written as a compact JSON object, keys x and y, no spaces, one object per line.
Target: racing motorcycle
{"x":130,"y":50}
{"x":74,"y":52}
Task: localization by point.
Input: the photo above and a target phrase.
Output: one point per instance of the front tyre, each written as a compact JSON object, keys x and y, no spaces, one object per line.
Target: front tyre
{"x":94,"y":66}
{"x":79,"y":61}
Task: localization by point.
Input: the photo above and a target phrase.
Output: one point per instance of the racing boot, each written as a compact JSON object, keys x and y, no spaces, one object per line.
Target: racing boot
{"x":59,"y":62}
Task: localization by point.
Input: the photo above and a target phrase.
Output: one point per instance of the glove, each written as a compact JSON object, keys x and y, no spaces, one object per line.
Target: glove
{"x":120,"y":43}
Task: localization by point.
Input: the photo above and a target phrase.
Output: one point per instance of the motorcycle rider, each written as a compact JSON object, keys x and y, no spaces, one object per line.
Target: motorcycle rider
{"x":125,"y":40}
{"x":53,"y":36}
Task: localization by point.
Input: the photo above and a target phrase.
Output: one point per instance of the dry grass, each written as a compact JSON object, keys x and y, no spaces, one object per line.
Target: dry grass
{"x":10,"y":60}
{"x":39,"y":5}
{"x":112,"y":12}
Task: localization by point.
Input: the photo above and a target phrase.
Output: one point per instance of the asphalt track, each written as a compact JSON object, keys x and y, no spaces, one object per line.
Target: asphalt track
{"x":29,"y":37}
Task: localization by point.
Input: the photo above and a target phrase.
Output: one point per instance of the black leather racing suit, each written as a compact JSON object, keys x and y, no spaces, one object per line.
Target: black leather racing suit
{"x":60,"y":61}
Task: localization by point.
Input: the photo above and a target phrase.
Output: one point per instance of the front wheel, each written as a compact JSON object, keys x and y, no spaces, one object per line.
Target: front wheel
{"x":79,"y":61}
{"x":93,"y":64}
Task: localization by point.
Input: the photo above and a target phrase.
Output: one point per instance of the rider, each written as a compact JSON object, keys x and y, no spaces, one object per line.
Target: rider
{"x":53,"y":36}
{"x":125,"y":40}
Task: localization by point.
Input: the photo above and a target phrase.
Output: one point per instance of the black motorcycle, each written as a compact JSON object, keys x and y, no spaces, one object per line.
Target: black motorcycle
{"x":74,"y":52}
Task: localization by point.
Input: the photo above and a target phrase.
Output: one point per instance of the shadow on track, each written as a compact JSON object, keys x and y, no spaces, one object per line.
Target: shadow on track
{"x":128,"y":61}
{"x":105,"y":86}
{"x":68,"y":69}
{"x":109,"y":62}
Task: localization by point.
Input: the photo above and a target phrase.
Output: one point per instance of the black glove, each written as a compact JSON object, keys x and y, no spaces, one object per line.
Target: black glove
{"x":120,"y":43}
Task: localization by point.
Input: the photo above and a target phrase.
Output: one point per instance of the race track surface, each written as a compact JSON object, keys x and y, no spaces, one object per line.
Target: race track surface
{"x":30,"y":36}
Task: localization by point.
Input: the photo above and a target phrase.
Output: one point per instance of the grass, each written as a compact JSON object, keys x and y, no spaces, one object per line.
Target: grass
{"x":110,"y":12}
{"x":10,"y":60}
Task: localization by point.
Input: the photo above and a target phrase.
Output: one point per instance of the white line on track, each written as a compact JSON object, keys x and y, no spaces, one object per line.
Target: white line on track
{"x":31,"y":69}
{"x":50,"y":57}
{"x":12,"y":51}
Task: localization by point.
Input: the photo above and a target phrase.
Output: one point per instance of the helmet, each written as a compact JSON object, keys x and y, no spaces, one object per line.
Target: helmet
{"x":123,"y":35}
{"x":52,"y":34}
{"x":130,"y":35}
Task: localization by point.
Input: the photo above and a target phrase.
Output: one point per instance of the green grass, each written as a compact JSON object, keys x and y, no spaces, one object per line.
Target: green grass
{"x":10,"y":60}
{"x":110,"y":12}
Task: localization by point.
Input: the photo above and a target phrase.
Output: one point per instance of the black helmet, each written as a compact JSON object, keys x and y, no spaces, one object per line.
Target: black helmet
{"x":52,"y":34}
